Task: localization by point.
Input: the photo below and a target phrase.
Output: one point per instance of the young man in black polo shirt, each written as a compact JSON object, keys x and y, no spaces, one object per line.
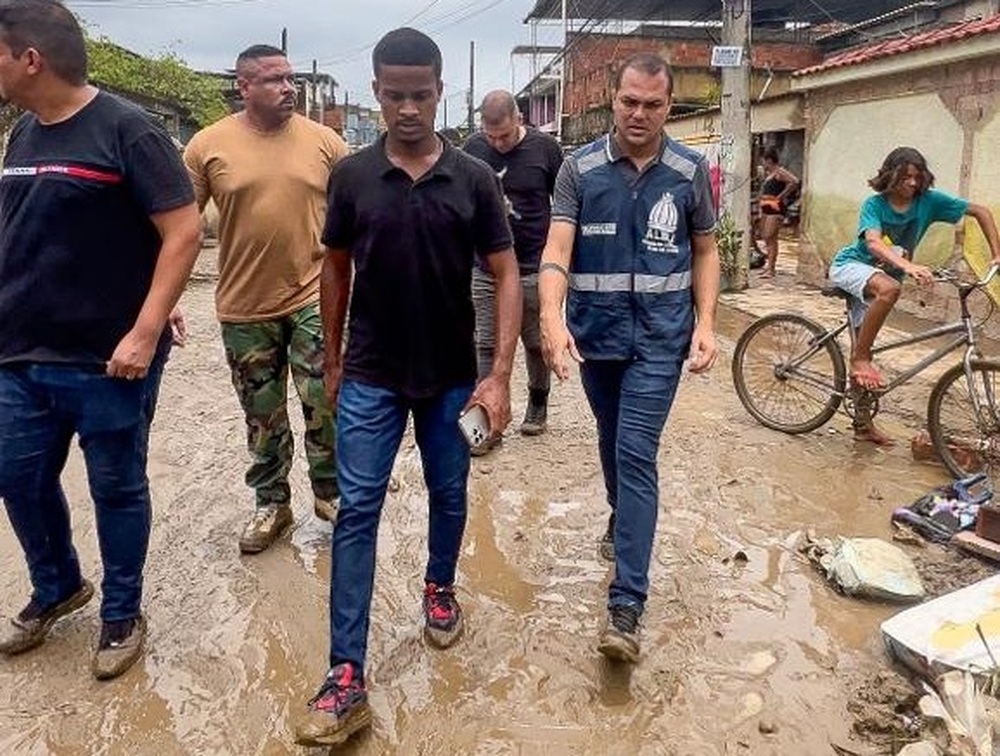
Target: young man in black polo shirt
{"x":411,"y":214}
{"x":98,"y":233}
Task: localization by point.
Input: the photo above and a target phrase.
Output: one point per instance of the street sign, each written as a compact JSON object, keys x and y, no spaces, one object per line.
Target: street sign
{"x":724,"y":56}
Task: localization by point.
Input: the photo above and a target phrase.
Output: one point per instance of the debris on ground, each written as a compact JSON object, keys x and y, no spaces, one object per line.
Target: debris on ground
{"x":866,"y":567}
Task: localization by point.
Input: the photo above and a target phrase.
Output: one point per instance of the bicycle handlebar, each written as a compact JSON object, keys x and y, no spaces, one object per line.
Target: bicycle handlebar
{"x":944,"y":274}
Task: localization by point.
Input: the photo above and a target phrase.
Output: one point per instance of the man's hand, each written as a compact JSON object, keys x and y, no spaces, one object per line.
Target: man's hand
{"x":557,"y":341}
{"x":132,"y":356}
{"x":704,"y":350}
{"x":920,"y":273}
{"x":333,"y":374}
{"x":178,"y":327}
{"x":493,"y":393}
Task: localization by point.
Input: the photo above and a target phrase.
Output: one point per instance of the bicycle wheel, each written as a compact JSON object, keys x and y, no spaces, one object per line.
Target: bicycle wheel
{"x":784,"y":378}
{"x":963,"y":419}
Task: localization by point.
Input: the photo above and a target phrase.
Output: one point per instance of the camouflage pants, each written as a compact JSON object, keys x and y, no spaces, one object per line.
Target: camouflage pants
{"x":260,"y":355}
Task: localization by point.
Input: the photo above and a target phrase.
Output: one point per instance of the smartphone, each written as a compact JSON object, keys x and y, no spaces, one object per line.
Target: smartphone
{"x":475,"y":425}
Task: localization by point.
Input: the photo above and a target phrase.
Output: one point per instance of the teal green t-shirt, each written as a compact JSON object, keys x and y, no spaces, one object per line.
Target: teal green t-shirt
{"x":904,"y":229}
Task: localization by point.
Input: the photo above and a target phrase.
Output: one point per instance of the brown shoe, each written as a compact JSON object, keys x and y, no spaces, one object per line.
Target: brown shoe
{"x":265,"y":527}
{"x":29,"y":628}
{"x":119,"y":647}
{"x":620,"y":637}
{"x":326,"y":509}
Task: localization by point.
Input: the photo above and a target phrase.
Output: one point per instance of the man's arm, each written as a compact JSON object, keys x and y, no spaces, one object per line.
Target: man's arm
{"x":553,"y":283}
{"x":705,"y":272}
{"x":334,"y":294}
{"x":180,"y":231}
{"x":884,"y":253}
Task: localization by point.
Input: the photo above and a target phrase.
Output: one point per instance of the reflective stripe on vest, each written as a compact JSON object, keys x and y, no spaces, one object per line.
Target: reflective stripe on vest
{"x":644,"y":283}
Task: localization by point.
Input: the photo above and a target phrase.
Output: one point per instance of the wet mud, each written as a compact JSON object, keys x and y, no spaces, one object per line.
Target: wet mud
{"x":746,"y":650}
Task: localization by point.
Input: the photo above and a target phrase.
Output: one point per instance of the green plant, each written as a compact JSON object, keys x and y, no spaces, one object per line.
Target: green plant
{"x":729,"y":238}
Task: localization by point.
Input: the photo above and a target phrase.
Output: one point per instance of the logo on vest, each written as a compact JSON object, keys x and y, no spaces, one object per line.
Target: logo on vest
{"x":661,"y":226}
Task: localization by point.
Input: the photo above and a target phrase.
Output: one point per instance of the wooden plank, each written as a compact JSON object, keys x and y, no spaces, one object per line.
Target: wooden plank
{"x":969,"y":541}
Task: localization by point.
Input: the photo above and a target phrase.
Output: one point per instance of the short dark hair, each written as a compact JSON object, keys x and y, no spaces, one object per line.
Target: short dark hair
{"x":406,"y":47}
{"x":648,"y":63}
{"x":49,"y":27}
{"x":893,"y":170}
{"x":256,"y":52}
{"x":771,"y":153}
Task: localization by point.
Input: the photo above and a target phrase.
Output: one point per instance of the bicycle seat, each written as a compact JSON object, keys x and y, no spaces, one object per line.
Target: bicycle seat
{"x":830,"y":290}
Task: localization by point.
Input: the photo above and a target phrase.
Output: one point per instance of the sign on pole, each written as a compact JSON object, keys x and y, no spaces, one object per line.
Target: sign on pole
{"x":726,"y":56}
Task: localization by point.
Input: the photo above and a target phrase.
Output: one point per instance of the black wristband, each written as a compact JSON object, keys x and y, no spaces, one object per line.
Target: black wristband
{"x":554,"y":266}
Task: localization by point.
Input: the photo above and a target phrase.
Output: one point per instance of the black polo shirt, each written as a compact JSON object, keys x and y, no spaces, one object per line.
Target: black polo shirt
{"x":413,"y":245}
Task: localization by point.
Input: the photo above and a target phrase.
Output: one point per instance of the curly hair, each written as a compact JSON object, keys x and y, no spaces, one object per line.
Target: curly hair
{"x":894,"y":167}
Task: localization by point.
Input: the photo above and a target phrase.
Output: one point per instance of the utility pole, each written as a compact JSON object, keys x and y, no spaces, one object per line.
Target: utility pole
{"x":472,"y":85}
{"x":561,"y":102}
{"x":317,"y":107}
{"x":284,"y":40}
{"x":735,"y":145}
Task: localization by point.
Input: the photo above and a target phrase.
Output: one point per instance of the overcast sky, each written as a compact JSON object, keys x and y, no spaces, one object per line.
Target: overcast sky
{"x":208,"y":34}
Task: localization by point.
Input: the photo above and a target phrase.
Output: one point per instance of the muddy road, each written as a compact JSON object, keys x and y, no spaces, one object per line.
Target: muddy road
{"x":740,"y":656}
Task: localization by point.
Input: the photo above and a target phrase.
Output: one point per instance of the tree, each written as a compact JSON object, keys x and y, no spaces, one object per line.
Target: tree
{"x":165,"y":77}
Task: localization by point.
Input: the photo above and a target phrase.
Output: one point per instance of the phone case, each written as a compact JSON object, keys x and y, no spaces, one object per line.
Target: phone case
{"x":475,"y":425}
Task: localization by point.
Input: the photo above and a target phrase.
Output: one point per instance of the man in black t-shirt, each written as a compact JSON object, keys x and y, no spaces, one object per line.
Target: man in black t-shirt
{"x":526,"y":161}
{"x":410,"y":214}
{"x":98,"y":234}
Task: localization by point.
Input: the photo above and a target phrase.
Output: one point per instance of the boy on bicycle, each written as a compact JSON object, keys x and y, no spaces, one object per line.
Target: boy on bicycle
{"x":871,"y":269}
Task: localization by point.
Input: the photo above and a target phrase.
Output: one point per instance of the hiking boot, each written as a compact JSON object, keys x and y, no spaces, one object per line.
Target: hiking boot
{"x":480,"y":450}
{"x":28,"y":629}
{"x":337,"y":711}
{"x":535,"y":421}
{"x":620,"y":638}
{"x":326,"y":509}
{"x":606,"y":548}
{"x":442,"y":615}
{"x":265,"y":527}
{"x":119,"y":646}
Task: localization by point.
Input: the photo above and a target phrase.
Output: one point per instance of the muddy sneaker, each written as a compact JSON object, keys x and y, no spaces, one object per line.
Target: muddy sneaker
{"x":29,"y":628}
{"x":442,"y":615}
{"x":337,"y":711}
{"x":606,"y":547}
{"x":265,"y":527}
{"x":535,"y":420}
{"x":326,"y":509}
{"x":119,"y":646}
{"x":620,"y":638}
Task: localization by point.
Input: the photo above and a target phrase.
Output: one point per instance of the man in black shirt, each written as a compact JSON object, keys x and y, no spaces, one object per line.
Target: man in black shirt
{"x":526,"y":161}
{"x":98,"y":234}
{"x":411,"y":214}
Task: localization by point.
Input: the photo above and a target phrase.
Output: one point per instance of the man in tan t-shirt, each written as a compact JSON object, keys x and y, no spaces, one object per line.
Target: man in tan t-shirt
{"x":267,"y":169}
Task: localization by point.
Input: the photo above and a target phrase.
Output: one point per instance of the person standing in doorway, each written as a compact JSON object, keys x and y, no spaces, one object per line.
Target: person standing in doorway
{"x":526,"y":161}
{"x":632,"y":254}
{"x":267,"y":169}
{"x":409,"y":215}
{"x":98,"y":234}
{"x":779,"y":184}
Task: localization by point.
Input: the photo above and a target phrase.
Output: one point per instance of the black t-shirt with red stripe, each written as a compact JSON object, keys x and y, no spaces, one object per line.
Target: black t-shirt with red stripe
{"x":77,"y":246}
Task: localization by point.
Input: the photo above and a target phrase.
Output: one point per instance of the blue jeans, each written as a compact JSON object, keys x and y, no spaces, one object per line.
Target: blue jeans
{"x":631,"y":401}
{"x":370,"y":425}
{"x":42,"y":406}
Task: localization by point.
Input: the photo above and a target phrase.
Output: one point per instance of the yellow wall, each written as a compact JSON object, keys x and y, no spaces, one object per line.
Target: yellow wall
{"x":849,"y":148}
{"x":984,"y":189}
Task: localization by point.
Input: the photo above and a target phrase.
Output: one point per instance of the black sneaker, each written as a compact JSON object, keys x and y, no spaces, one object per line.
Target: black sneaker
{"x":29,"y":628}
{"x":442,"y":615}
{"x":535,"y":421}
{"x":119,"y":647}
{"x":606,"y":548}
{"x":338,"y":710}
{"x":620,"y":638}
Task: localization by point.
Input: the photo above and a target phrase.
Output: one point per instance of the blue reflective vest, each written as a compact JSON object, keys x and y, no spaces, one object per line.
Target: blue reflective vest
{"x":630,"y":276}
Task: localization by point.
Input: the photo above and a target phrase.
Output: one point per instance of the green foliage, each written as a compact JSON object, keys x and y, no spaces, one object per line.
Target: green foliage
{"x":165,"y":77}
{"x":728,"y":236}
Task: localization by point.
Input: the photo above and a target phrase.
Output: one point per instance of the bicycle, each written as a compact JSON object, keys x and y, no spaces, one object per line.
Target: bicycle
{"x":791,"y":375}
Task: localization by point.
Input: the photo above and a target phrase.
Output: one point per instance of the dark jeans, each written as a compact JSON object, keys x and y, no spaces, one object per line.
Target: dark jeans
{"x":631,"y":401}
{"x":370,"y":426}
{"x":42,"y":406}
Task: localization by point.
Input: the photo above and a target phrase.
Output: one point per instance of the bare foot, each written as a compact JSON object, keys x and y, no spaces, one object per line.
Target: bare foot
{"x":866,"y":375}
{"x":872,"y":435}
{"x":767,"y":274}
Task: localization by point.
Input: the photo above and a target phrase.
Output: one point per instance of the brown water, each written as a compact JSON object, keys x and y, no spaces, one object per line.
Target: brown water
{"x":237,"y":644}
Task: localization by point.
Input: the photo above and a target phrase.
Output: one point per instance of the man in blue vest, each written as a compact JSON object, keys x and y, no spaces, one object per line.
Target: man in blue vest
{"x":631,"y":251}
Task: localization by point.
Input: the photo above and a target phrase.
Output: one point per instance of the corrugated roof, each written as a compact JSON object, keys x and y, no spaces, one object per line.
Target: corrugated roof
{"x":898,"y":46}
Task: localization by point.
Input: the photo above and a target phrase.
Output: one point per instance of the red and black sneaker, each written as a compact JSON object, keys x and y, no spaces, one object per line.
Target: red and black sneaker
{"x":442,"y":615}
{"x":338,"y":710}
